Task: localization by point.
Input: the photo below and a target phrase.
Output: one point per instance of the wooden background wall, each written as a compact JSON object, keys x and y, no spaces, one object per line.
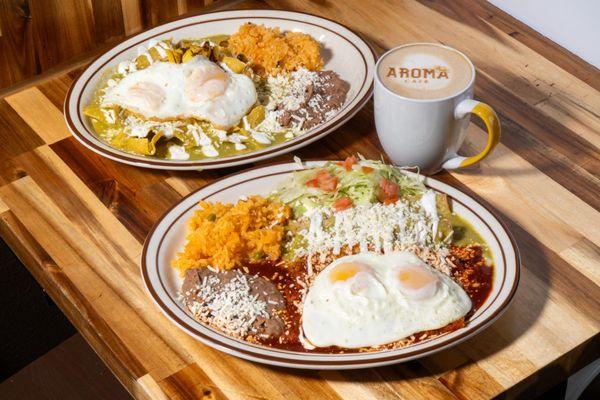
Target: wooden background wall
{"x":40,"y":35}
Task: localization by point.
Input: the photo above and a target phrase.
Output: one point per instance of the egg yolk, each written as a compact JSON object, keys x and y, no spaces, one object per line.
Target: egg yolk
{"x":417,"y":282}
{"x":204,"y":84}
{"x":345,"y":271}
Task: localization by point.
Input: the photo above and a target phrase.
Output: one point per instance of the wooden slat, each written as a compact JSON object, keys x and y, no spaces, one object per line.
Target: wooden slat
{"x":37,"y":36}
{"x":132,"y":18}
{"x":77,"y":220}
{"x":40,"y":114}
{"x":137,"y":197}
{"x":69,"y":298}
{"x":191,"y":383}
{"x":76,"y":254}
{"x":16,"y":137}
{"x":68,"y":23}
{"x":160,"y":11}
{"x":585,"y":255}
{"x":55,"y":89}
{"x":109,"y":21}
{"x":493,"y":16}
{"x":150,"y":388}
{"x":17,"y":43}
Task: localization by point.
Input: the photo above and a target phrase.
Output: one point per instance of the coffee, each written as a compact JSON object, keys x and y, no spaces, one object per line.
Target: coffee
{"x":425,"y":71}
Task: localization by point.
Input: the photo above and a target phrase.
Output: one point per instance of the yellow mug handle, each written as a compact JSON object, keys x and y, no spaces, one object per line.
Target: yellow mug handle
{"x":492,"y":123}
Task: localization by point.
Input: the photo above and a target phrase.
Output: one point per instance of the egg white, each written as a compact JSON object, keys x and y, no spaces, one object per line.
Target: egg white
{"x":158,"y":92}
{"x":335,"y":315}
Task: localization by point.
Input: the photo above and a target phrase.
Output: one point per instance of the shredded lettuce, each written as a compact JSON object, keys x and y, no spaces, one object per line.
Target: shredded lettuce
{"x":360,"y":186}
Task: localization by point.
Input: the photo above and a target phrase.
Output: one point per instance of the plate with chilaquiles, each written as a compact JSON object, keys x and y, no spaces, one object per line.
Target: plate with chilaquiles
{"x":220,"y":89}
{"x":330,"y":265}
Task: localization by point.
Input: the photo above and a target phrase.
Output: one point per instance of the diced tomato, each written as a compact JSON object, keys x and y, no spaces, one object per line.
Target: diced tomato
{"x":349,"y":162}
{"x":388,"y":187}
{"x":343,"y":203}
{"x":389,"y":191}
{"x":324,"y":181}
{"x":390,"y":200}
{"x":322,"y":173}
{"x":314,"y":183}
{"x":367,"y":170}
{"x":328,"y":183}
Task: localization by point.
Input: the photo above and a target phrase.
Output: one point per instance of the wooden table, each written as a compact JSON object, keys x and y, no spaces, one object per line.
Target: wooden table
{"x":78,"y":221}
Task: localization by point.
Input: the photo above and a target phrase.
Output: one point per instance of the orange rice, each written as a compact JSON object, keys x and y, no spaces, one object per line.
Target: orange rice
{"x":272,"y":51}
{"x":224,"y":236}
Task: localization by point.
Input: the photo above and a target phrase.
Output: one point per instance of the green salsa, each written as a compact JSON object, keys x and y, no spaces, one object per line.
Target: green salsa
{"x":465,"y":234}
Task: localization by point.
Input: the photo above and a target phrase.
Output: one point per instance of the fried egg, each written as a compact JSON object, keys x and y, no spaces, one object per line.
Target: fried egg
{"x":197,"y":89}
{"x":371,"y":299}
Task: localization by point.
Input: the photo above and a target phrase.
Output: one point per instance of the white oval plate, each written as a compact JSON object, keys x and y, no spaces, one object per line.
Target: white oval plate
{"x":344,"y":52}
{"x":168,"y":237}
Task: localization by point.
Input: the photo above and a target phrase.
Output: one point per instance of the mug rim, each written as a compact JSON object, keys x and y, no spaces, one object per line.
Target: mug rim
{"x":466,"y":88}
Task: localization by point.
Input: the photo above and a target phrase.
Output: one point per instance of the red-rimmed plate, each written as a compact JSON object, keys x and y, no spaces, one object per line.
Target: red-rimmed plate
{"x":343,"y":51}
{"x":168,"y":237}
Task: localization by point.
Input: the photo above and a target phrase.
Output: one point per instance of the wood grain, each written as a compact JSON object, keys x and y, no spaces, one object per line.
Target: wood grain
{"x":39,"y":35}
{"x":78,"y":220}
{"x":40,"y":114}
{"x":17,"y":46}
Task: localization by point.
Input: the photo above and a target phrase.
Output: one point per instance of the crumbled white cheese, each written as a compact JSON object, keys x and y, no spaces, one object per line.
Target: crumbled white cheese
{"x":429,"y":204}
{"x":231,"y":308}
{"x":139,"y":131}
{"x":199,"y":136}
{"x":261,"y":138}
{"x":168,"y":130}
{"x":177,"y":152}
{"x":376,"y":228}
{"x":123,"y":67}
{"x":109,"y":115}
{"x":235,"y":138}
{"x":164,"y":45}
{"x":285,"y":92}
{"x":210,"y":151}
{"x":225,"y":67}
{"x":160,"y":47}
{"x":221,"y":134}
{"x":136,"y":127}
{"x":161,"y":52}
{"x":288,"y":90}
{"x":271,"y":122}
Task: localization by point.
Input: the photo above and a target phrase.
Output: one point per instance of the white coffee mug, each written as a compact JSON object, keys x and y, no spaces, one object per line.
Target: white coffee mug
{"x":428,"y":132}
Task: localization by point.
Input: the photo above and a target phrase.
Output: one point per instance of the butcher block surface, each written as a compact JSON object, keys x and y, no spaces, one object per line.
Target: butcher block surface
{"x":78,"y":221}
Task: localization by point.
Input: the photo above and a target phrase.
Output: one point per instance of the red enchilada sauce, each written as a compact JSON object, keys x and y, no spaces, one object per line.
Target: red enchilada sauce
{"x":469,"y":269}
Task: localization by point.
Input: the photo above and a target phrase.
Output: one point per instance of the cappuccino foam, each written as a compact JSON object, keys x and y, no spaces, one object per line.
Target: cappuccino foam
{"x":425,"y":71}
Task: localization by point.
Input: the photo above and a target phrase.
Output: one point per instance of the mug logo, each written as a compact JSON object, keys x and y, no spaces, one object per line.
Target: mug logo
{"x":418,"y":74}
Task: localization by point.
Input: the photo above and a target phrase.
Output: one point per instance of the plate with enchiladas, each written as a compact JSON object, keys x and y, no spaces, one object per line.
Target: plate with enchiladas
{"x":220,"y":89}
{"x":330,"y":264}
